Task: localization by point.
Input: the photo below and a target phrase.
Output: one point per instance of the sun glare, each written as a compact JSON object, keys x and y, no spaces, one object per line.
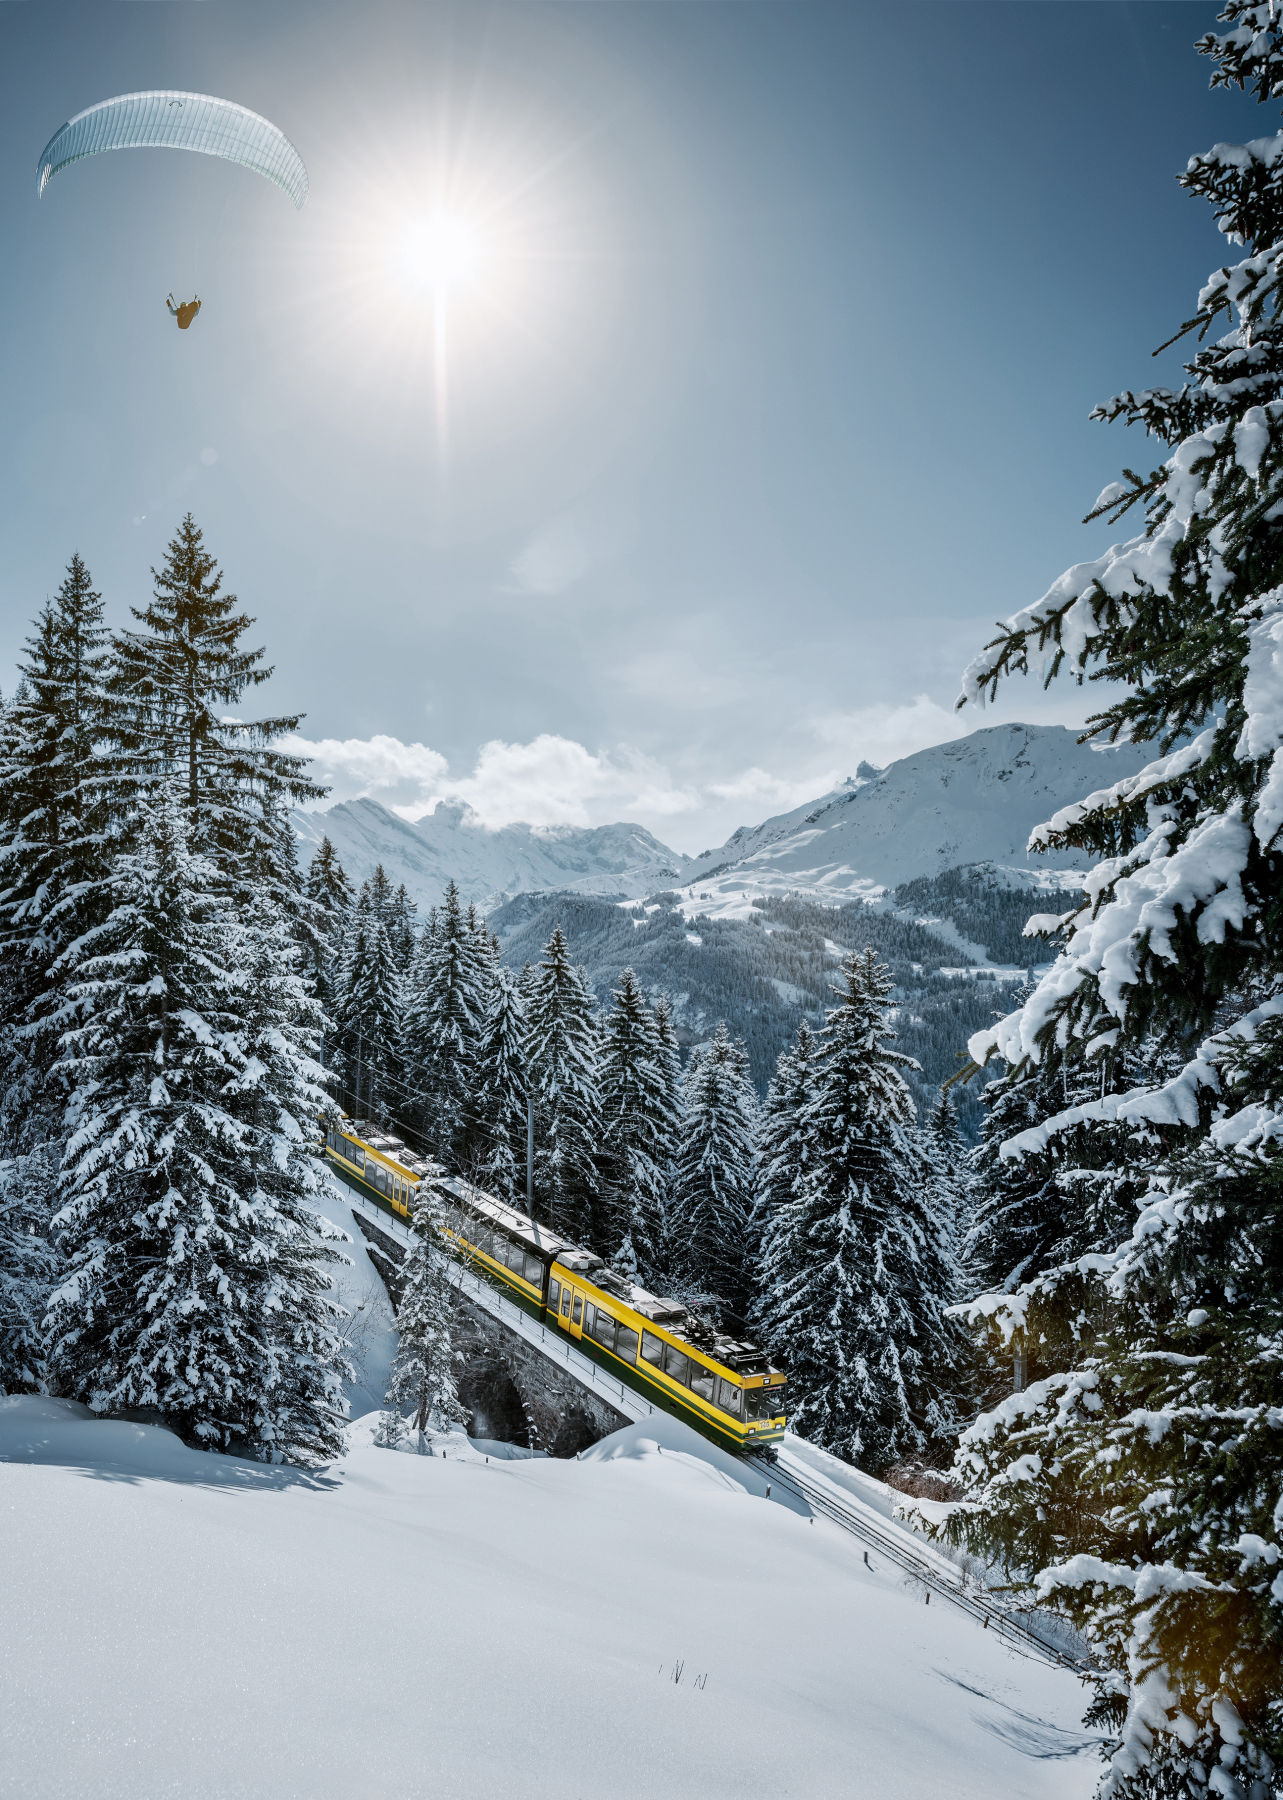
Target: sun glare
{"x":442,"y":252}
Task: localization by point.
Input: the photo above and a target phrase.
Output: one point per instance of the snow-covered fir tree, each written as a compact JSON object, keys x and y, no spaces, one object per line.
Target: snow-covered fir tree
{"x":857,"y":1269}
{"x":1139,"y":1481}
{"x":179,"y":682}
{"x":331,"y":898}
{"x":368,"y":1007}
{"x":444,"y":1005}
{"x":56,"y":825}
{"x":196,"y":1277}
{"x":784,"y":1148}
{"x":424,"y":1375}
{"x":562,"y":1066}
{"x":636,"y":1131}
{"x":713,"y":1180}
{"x":500,"y":1105}
{"x":403,"y":927}
{"x":28,"y":1266}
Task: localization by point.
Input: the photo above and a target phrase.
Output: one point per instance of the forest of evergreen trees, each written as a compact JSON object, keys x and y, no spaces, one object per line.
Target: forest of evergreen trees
{"x":183,"y":1007}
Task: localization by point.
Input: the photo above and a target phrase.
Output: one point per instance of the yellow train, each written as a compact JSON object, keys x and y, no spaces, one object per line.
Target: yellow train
{"x":724,"y":1388}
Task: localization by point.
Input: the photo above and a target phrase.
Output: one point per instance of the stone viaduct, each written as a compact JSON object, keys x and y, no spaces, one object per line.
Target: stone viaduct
{"x":511,"y":1392}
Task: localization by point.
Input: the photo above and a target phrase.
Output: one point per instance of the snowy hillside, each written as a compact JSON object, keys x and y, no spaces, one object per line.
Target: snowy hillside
{"x":490,"y":866}
{"x":181,"y":1623}
{"x":974,"y":800}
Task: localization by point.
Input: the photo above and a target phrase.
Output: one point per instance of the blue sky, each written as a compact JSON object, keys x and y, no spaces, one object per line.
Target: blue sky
{"x":767,"y":394}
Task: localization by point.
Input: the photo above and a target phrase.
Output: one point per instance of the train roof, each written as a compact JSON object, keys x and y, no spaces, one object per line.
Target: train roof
{"x":539,"y":1237}
{"x":670,"y":1315}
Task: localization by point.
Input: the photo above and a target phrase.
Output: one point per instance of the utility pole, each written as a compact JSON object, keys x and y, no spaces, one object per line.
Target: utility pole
{"x":530,"y":1155}
{"x":1019,"y":1366}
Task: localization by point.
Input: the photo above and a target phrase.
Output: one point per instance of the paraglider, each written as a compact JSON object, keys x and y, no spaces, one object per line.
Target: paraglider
{"x":185,"y":311}
{"x":169,"y":120}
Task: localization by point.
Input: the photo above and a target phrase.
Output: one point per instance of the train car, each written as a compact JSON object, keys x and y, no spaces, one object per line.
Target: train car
{"x":721,"y":1385}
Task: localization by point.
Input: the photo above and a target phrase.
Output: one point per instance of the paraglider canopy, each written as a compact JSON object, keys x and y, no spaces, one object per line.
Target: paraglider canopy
{"x":167,"y":119}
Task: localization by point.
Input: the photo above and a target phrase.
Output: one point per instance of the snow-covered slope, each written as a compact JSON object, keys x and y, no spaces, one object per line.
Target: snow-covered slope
{"x":490,"y":866}
{"x":974,"y":800}
{"x":177,"y":1623}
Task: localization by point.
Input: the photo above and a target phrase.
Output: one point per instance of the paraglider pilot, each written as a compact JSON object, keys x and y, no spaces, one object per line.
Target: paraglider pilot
{"x":186,"y":312}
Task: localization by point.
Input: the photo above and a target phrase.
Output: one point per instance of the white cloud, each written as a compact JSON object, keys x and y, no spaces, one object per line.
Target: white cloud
{"x":759,"y":787}
{"x":884,"y":732}
{"x":406,"y":778}
{"x":549,"y":781}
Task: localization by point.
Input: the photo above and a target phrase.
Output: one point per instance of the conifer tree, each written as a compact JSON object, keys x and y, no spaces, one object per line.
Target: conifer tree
{"x":562,"y":1067}
{"x":424,"y":1372}
{"x":1139,"y":1480}
{"x":784,"y":1154}
{"x":196,"y":1272}
{"x":56,"y":824}
{"x":368,"y":1008}
{"x":635,"y":1131}
{"x":403,"y":928}
{"x":179,"y":682}
{"x":858,"y":1269}
{"x":28,"y":1267}
{"x":713,"y":1181}
{"x":500,"y":1109}
{"x":442,"y":1017}
{"x":329,"y":893}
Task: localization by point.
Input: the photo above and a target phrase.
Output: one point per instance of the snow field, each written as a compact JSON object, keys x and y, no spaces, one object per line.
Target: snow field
{"x":177,"y":1623}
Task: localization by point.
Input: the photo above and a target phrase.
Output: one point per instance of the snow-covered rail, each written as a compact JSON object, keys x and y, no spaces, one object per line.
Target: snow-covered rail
{"x":916,"y":1558}
{"x":552,"y":1344}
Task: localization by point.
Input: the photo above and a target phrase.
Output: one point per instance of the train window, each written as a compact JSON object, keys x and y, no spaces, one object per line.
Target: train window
{"x":554,"y":1294}
{"x":533,"y":1270}
{"x":729,"y":1396}
{"x":626,"y":1343}
{"x":603,"y":1329}
{"x":653,"y":1349}
{"x":677,"y":1365}
{"x":579,"y":1307}
{"x":702,"y":1380}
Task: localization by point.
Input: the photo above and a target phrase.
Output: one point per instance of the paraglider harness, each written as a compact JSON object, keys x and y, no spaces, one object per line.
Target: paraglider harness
{"x":186,"y":312}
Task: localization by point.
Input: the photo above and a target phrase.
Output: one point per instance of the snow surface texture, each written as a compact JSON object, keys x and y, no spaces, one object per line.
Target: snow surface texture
{"x":178,"y":1623}
{"x":975,"y":800}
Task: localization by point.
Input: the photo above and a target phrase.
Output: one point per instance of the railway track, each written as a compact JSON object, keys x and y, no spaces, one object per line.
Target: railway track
{"x":934,"y":1571}
{"x":787,"y":1470}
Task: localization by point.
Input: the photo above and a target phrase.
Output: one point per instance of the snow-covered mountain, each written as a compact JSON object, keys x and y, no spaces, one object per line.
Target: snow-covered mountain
{"x":490,"y":866}
{"x":974,"y":800}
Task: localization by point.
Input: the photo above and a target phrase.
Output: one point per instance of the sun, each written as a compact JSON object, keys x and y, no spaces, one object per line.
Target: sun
{"x":441,"y":252}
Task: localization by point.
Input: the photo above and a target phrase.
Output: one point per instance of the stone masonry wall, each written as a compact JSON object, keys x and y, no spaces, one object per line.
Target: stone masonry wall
{"x":511,"y":1391}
